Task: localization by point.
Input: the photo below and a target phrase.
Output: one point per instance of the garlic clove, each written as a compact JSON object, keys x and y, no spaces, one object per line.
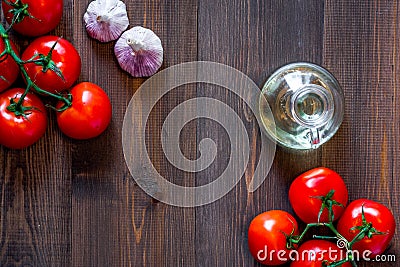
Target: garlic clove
{"x":139,"y":52}
{"x":106,"y":20}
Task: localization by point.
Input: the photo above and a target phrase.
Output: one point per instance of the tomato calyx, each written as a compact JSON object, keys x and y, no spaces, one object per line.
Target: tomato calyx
{"x":290,"y":237}
{"x":19,"y":11}
{"x":67,"y":97}
{"x":327,"y":203}
{"x":19,"y":110}
{"x":46,"y":62}
{"x":366,"y":229}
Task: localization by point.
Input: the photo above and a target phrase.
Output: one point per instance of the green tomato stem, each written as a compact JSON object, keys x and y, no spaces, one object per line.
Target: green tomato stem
{"x":19,"y":11}
{"x":3,"y":54}
{"x":361,"y":234}
{"x":366,"y":229}
{"x":333,"y":229}
{"x":30,"y":84}
{"x":298,"y":239}
{"x":338,"y":236}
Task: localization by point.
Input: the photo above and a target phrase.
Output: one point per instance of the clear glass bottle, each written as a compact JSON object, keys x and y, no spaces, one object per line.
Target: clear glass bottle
{"x":307,"y":105}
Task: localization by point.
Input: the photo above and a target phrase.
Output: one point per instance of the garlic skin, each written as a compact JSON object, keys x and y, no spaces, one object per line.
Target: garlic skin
{"x":139,"y":52}
{"x":105,"y":20}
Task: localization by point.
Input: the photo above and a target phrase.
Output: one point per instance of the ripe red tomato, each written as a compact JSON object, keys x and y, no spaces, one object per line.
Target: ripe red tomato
{"x":18,"y":132}
{"x":313,"y":252}
{"x":318,"y":182}
{"x":375,"y":213}
{"x":64,"y":56}
{"x":46,"y":15}
{"x":266,"y":236}
{"x":89,"y":114}
{"x":9,"y":70}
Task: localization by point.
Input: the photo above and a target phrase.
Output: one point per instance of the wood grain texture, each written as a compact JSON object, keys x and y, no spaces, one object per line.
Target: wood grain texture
{"x":255,"y":37}
{"x":74,"y":203}
{"x":114,"y":222}
{"x":361,"y":48}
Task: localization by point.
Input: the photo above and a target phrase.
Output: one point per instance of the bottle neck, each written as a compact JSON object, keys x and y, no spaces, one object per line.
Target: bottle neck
{"x":311,"y":106}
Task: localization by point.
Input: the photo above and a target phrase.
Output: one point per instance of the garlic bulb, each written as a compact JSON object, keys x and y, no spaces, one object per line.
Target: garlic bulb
{"x":105,"y":20}
{"x":139,"y":52}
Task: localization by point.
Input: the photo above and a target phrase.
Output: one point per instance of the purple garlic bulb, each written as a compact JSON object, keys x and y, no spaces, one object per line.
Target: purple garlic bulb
{"x":139,"y":52}
{"x":105,"y":20}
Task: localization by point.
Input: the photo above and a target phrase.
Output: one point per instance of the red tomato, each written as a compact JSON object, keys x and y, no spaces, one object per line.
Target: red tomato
{"x":64,"y":56}
{"x":318,"y":182}
{"x":46,"y":15}
{"x":18,"y":132}
{"x":89,"y":114}
{"x":9,"y":70}
{"x":375,"y":213}
{"x":266,"y":236}
{"x":313,"y":252}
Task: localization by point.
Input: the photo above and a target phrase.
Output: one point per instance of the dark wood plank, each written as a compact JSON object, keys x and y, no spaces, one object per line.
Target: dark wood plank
{"x":35,"y":215}
{"x":256,"y":37}
{"x":114,"y":222}
{"x":361,"y":47}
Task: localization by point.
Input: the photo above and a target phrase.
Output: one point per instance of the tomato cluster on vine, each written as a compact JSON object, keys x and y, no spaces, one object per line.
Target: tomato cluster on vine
{"x":49,"y":66}
{"x":319,"y":197}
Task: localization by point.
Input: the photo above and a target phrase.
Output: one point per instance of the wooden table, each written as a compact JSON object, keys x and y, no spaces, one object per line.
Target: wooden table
{"x":74,"y":203}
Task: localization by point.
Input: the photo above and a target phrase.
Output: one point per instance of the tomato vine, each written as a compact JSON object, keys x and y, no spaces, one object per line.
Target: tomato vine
{"x":43,"y":60}
{"x":366,"y":229}
{"x":319,"y":197}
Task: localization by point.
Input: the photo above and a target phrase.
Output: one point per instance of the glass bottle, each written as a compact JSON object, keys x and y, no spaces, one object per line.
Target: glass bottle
{"x":307,"y":105}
